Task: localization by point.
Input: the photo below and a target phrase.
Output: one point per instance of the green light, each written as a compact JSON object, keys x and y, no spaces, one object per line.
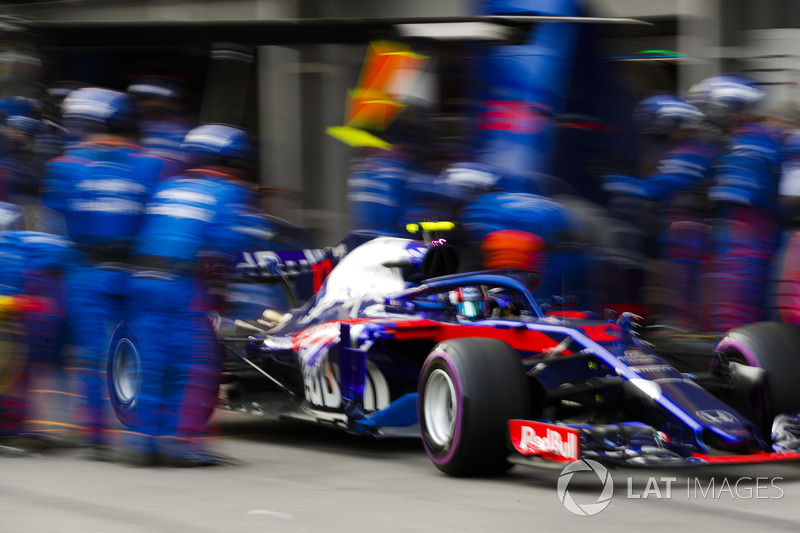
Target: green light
{"x":663,"y":53}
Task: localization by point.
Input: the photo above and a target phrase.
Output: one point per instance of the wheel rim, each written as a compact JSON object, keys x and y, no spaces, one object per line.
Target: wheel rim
{"x":440,"y":407}
{"x":759,"y":401}
{"x":127,"y":372}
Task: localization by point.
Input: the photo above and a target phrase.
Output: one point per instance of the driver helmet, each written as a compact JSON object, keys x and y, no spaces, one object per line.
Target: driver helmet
{"x":472,"y":302}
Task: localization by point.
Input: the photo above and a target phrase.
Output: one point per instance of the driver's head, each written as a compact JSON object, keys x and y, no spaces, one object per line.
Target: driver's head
{"x":472,"y":303}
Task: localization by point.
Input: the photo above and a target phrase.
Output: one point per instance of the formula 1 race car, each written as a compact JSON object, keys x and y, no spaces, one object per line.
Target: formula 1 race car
{"x":398,"y":342}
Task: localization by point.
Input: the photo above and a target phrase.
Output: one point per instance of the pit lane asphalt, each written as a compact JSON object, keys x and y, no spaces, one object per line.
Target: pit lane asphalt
{"x":296,"y":477}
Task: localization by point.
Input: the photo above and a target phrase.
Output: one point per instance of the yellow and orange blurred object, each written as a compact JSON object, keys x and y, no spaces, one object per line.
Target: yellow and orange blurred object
{"x":11,"y":305}
{"x":390,"y":70}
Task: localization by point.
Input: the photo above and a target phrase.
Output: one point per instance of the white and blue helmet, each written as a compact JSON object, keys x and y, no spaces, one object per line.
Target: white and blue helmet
{"x":722,"y":98}
{"x":96,"y":109}
{"x":11,"y":217}
{"x":219,"y":145}
{"x":664,"y":114}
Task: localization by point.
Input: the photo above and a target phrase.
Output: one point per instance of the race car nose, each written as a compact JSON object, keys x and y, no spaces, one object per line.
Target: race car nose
{"x":733,"y":439}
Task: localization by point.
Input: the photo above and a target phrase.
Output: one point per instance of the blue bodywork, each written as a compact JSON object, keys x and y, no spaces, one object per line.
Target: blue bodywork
{"x":351,"y":357}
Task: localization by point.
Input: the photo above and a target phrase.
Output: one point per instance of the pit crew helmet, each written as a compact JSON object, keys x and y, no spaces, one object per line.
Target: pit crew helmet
{"x":20,"y":131}
{"x":19,"y":105}
{"x":472,"y":303}
{"x":11,"y":217}
{"x":664,"y":114}
{"x":99,"y":110}
{"x":156,"y":88}
{"x":463,"y":181}
{"x":158,"y":96}
{"x":24,"y":124}
{"x":219,"y":145}
{"x":722,"y":98}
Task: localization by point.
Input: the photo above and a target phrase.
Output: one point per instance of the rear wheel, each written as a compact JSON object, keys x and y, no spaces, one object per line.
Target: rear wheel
{"x":773,"y":347}
{"x":125,"y":380}
{"x":468,"y":390}
{"x":124,"y":374}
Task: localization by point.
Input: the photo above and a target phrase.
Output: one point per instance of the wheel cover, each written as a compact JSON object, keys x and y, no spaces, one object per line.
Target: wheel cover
{"x":127,"y":372}
{"x":440,"y":408}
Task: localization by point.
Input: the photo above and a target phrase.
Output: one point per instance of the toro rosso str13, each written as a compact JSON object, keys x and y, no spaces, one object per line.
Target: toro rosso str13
{"x":387,"y":347}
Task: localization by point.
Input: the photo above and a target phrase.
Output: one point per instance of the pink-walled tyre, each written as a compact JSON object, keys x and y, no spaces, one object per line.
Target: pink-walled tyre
{"x":468,"y":390}
{"x":775,"y":348}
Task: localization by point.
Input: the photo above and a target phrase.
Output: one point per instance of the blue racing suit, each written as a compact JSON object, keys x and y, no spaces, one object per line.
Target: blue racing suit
{"x":192,"y":218}
{"x":31,"y":266}
{"x":564,"y":264}
{"x":375,"y":190}
{"x":100,"y":189}
{"x":679,"y":186}
{"x":747,"y":224}
{"x":785,"y":293}
{"x":164,"y":138}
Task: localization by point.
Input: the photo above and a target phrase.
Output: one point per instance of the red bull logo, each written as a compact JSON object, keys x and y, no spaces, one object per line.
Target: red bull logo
{"x":556,"y":443}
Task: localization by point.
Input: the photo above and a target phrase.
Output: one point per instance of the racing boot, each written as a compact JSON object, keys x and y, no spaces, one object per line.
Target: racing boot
{"x":188,"y":453}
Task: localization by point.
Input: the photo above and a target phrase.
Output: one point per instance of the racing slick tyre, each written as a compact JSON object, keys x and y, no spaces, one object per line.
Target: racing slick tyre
{"x":772,"y":347}
{"x":124,"y":374}
{"x":468,"y":390}
{"x":124,"y":377}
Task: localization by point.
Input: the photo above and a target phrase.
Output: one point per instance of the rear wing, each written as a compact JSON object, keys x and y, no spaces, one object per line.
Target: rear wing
{"x":302,"y":271}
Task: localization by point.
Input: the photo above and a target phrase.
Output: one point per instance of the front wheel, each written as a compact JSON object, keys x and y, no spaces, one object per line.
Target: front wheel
{"x":771,"y":346}
{"x":469,"y":388}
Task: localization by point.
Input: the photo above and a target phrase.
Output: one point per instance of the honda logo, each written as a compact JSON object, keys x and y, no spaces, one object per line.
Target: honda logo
{"x":717,"y":416}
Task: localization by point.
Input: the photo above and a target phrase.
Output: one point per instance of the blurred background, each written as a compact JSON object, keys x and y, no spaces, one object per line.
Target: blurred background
{"x":289,"y":82}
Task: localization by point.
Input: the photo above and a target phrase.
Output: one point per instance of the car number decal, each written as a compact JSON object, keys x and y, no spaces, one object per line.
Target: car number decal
{"x":321,"y":385}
